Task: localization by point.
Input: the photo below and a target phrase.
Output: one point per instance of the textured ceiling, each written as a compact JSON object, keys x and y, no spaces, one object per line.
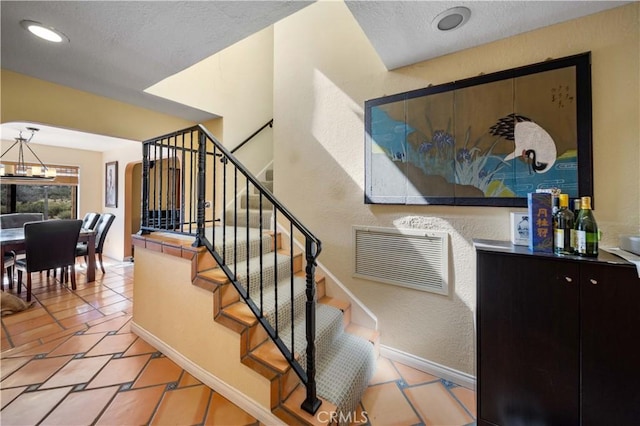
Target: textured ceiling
{"x":402,"y":32}
{"x":120,"y":48}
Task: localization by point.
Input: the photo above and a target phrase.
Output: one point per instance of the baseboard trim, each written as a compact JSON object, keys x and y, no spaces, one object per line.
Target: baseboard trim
{"x":447,"y":373}
{"x":232,"y":394}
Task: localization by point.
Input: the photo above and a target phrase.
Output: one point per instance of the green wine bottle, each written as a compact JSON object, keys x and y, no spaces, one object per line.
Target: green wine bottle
{"x":586,"y":230}
{"x":562,"y":227}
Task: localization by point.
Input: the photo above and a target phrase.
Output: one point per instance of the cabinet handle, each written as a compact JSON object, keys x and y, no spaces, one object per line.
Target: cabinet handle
{"x":593,"y":281}
{"x":568,"y":279}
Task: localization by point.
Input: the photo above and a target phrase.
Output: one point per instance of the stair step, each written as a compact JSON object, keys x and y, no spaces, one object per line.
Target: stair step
{"x":268,"y":176}
{"x":253,"y":200}
{"x":254,"y":218}
{"x":344,"y":371}
{"x":232,"y":243}
{"x":267,"y":184}
{"x":296,"y":415}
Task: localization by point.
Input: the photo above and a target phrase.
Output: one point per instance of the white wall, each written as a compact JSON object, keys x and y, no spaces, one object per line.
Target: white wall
{"x":321,"y":80}
{"x":236,"y":84}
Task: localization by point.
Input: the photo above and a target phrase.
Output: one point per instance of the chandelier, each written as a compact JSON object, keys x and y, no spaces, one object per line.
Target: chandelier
{"x":22,"y":170}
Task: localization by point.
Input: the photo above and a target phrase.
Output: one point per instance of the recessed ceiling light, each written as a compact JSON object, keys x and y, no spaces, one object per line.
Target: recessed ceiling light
{"x":451,"y":19}
{"x":44,"y":32}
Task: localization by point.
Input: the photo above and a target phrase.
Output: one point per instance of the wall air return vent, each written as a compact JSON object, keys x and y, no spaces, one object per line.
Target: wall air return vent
{"x":417,"y":259}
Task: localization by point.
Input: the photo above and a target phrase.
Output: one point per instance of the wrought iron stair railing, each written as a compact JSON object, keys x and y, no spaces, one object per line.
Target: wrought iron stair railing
{"x":192,"y":185}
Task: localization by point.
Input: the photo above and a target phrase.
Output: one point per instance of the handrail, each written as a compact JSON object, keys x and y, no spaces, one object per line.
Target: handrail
{"x":265,"y":192}
{"x":172,"y":206}
{"x":241,"y":144}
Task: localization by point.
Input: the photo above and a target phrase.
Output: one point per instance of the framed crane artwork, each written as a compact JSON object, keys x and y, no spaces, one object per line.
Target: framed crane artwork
{"x":483,"y":141}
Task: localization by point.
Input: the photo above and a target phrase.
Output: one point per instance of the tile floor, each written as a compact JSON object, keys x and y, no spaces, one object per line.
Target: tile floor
{"x":71,"y":359}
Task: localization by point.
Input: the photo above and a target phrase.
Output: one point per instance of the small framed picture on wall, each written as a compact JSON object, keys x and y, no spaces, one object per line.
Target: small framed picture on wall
{"x":111,"y":184}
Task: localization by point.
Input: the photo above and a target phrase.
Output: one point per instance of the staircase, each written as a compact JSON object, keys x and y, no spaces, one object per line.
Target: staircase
{"x":345,"y":352}
{"x":264,"y":286}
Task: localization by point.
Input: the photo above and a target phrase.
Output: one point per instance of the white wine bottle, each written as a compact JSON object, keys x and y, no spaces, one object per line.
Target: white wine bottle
{"x":563,"y":227}
{"x":586,"y":230}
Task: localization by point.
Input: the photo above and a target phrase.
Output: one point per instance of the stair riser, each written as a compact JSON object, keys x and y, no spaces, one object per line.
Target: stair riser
{"x":239,"y":253}
{"x":266,"y":184}
{"x":254,"y":219}
{"x":254,"y":202}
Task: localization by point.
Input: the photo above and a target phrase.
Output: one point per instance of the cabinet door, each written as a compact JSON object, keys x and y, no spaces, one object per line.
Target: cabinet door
{"x":528,"y":340}
{"x":610,"y":337}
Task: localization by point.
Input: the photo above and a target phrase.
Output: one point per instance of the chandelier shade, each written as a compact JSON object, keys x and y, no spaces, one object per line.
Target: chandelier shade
{"x":21,"y":170}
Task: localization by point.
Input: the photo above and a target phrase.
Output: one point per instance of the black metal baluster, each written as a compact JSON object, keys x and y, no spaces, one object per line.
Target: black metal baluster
{"x":275,"y":271}
{"x":202,"y":151}
{"x":248,"y":243}
{"x":261,"y":258}
{"x":291,"y":284}
{"x":145,"y":188}
{"x":182,"y":186}
{"x":235,"y":223}
{"x":224,"y":211}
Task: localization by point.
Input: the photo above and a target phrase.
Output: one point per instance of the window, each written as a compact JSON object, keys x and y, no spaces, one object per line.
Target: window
{"x":58,"y":199}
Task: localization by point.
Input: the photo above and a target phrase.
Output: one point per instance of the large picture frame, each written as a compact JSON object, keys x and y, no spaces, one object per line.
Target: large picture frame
{"x":111,"y":184}
{"x":483,"y":141}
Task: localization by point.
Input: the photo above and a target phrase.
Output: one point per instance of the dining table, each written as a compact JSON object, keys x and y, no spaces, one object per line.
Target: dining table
{"x":12,"y":239}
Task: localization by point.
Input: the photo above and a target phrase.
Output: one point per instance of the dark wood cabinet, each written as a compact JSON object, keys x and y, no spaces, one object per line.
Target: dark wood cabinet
{"x":556,"y":338}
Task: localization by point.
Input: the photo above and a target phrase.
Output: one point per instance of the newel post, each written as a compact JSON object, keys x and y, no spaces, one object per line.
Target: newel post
{"x":312,"y":402}
{"x":202,"y":154}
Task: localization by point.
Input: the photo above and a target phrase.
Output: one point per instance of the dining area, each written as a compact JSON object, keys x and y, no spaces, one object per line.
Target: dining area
{"x":30,"y":244}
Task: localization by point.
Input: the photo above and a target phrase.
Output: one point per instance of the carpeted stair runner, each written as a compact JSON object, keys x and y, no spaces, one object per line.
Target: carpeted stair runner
{"x":344,"y":362}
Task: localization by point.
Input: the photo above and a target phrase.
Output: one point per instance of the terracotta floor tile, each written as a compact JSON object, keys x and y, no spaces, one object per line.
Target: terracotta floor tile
{"x":188,"y":380}
{"x":9,"y":365}
{"x":35,"y":334}
{"x":34,"y":348}
{"x":106,"y":301}
{"x":467,"y":397}
{"x":76,"y":371}
{"x":30,"y":407}
{"x":109,"y":324}
{"x":223,"y":412}
{"x":183,"y":406}
{"x":158,"y":371}
{"x":140,"y":347}
{"x":73,"y":312}
{"x":121,"y":370}
{"x":35,"y":372}
{"x":436,"y":406}
{"x":78,"y":344}
{"x":67,"y":304}
{"x":22,"y":326}
{"x":24,"y":315}
{"x":8,"y":395}
{"x":112,"y":344}
{"x":83,"y":407}
{"x":82,"y":318}
{"x":132,"y":407}
{"x":122,"y":306}
{"x":386,"y":405}
{"x":385,"y":372}
{"x":125,"y":328}
{"x":98,"y":295}
{"x":412,"y":376}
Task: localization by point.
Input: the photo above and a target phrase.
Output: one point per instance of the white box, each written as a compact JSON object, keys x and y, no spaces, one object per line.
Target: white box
{"x":520,"y":228}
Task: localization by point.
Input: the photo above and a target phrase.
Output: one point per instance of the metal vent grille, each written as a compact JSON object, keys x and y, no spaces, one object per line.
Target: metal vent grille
{"x":410,"y":258}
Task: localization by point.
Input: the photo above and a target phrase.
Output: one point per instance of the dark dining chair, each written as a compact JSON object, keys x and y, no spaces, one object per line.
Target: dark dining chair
{"x":90,"y":220}
{"x":9,"y":262}
{"x":49,"y":245}
{"x":104,"y":223}
{"x":17,"y":220}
